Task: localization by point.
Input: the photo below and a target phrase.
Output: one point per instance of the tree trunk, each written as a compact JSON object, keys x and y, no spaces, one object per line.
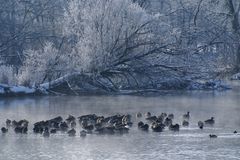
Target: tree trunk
{"x":235,"y":25}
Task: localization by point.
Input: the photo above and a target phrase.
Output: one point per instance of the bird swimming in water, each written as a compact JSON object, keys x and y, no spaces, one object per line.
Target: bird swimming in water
{"x":4,"y":130}
{"x":185,"y":123}
{"x":210,"y":121}
{"x":46,"y":132}
{"x":148,"y":114}
{"x":139,"y":115}
{"x":83,"y":133}
{"x":186,"y":116}
{"x":200,"y":124}
{"x":213,"y":136}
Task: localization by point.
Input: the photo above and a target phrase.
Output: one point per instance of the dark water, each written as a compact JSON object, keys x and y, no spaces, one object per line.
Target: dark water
{"x":190,"y":143}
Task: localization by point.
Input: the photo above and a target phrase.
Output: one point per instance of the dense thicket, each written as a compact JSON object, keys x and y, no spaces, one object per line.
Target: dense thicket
{"x":135,"y":40}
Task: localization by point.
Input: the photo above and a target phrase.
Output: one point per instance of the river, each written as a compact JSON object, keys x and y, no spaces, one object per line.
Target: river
{"x":189,"y":143}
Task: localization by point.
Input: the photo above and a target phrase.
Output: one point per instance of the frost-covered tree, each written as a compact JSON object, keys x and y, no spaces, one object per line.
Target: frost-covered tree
{"x":43,"y":65}
{"x":27,"y":25}
{"x":106,"y":32}
{"x":137,"y":39}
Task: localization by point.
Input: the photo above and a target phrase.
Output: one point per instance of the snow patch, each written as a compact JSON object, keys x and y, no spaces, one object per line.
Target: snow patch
{"x":235,"y":76}
{"x":22,"y":89}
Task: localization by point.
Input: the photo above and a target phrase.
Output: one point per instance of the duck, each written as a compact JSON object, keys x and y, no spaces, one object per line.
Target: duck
{"x":126,"y":120}
{"x":22,"y":130}
{"x":148,"y":114}
{"x":14,"y":123}
{"x":98,"y":125}
{"x":185,"y":123}
{"x":210,"y":121}
{"x":83,"y":133}
{"x":55,"y":125}
{"x":4,"y":130}
{"x":83,"y":123}
{"x":213,"y":136}
{"x":100,"y":120}
{"x":157,"y":127}
{"x":88,"y":127}
{"x":160,"y":119}
{"x":23,"y":123}
{"x":25,"y":130}
{"x":235,"y":132}
{"x":38,"y":129}
{"x":58,"y":119}
{"x":139,"y":115}
{"x":142,"y":126}
{"x":152,"y":118}
{"x":72,"y":132}
{"x":171,"y":116}
{"x":73,"y":124}
{"x":89,"y":117}
{"x":167,"y":122}
{"x":174,"y":127}
{"x":186,"y":116}
{"x":8,"y":122}
{"x":53,"y":131}
{"x":46,"y":132}
{"x":200,"y":124}
{"x":164,"y":115}
{"x":70,"y":119}
{"x":63,"y":126}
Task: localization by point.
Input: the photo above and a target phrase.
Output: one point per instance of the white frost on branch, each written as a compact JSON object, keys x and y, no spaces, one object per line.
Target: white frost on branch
{"x":102,"y":30}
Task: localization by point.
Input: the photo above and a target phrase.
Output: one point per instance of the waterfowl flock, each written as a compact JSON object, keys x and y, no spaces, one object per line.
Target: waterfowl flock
{"x":94,"y":124}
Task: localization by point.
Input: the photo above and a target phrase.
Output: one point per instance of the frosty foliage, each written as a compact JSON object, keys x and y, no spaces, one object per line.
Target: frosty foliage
{"x":43,"y":65}
{"x":140,"y":40}
{"x":102,"y":30}
{"x":7,"y":75}
{"x":99,"y":33}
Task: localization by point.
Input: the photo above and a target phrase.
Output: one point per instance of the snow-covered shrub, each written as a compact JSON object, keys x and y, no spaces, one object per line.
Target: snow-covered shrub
{"x":7,"y":75}
{"x":42,"y":65}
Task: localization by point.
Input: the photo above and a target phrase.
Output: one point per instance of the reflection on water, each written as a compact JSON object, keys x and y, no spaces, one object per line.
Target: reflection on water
{"x":189,"y":143}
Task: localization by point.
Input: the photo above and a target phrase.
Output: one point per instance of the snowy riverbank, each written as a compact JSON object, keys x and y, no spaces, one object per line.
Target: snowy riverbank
{"x":78,"y":84}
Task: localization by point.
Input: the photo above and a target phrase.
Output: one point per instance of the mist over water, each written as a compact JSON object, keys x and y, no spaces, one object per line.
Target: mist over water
{"x":189,"y":143}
